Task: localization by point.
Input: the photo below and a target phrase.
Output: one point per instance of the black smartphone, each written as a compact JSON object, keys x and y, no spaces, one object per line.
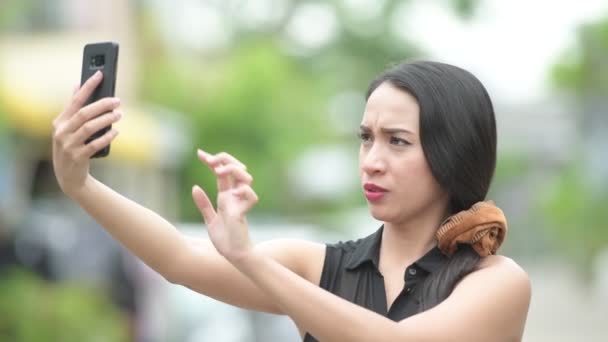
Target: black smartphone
{"x":101,"y":56}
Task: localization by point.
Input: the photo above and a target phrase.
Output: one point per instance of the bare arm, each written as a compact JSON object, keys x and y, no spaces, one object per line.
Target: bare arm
{"x":188,"y":261}
{"x":219,"y":279}
{"x":488,"y":305}
{"x":143,"y":232}
{"x":146,"y":234}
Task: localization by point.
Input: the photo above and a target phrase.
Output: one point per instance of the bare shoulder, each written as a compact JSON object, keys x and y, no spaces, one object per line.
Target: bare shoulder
{"x":304,"y":257}
{"x":504,"y":281}
{"x":502,"y":266}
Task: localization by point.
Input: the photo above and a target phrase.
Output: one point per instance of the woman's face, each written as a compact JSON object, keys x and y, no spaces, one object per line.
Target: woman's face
{"x":395,"y":175}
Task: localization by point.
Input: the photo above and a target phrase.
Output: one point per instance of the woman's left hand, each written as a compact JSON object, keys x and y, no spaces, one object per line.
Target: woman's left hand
{"x":227,"y":227}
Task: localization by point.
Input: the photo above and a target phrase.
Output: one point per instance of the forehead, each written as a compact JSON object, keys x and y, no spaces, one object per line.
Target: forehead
{"x":389,"y":106}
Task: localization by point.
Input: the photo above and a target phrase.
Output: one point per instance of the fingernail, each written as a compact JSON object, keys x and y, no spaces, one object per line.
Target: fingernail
{"x":97,"y":74}
{"x":115,"y":100}
{"x":118,"y":113}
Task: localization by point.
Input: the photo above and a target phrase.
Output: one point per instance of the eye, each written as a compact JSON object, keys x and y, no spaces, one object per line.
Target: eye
{"x":399,"y":141}
{"x":364,"y":136}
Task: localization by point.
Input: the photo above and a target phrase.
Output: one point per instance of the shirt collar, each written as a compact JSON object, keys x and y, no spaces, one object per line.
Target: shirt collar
{"x":368,"y":250}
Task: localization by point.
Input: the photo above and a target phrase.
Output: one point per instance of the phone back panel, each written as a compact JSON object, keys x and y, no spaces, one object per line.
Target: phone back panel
{"x":91,"y":63}
{"x":103,"y":57}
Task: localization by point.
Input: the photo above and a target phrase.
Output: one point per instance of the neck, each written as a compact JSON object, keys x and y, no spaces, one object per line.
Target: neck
{"x":405,"y":242}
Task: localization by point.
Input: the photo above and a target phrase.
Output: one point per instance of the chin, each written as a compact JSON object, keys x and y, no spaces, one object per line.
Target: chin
{"x":392,"y":214}
{"x":382,"y":214}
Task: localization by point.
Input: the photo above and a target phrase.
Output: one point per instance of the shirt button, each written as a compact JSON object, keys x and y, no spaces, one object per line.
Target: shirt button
{"x":412,"y":271}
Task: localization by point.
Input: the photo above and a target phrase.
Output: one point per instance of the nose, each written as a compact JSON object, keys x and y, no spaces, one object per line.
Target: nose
{"x":372,"y":160}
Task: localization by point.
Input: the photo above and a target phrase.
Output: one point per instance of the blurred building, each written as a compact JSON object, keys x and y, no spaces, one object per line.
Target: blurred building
{"x":39,"y":227}
{"x":39,"y":71}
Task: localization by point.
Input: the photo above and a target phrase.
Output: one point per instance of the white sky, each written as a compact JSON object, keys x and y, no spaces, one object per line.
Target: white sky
{"x":509,"y":45}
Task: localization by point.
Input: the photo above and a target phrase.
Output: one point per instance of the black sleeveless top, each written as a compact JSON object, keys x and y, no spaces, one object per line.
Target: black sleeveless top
{"x":351,"y":271}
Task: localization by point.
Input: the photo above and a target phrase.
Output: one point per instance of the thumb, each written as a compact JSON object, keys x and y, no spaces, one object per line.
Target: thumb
{"x":204,"y":204}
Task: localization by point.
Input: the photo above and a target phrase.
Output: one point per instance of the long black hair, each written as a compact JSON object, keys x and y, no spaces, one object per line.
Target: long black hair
{"x":458,"y":137}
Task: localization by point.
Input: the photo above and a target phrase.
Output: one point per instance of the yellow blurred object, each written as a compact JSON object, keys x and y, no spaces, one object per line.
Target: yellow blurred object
{"x":27,"y":115}
{"x":31,"y":117}
{"x":138,"y":141}
{"x":38,"y":73}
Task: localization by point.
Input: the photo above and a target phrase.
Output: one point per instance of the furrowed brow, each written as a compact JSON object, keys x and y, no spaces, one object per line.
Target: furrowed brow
{"x":396,"y":130}
{"x":387,"y":130}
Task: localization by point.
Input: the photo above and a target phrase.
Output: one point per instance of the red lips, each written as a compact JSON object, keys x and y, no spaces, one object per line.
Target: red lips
{"x":373,"y":192}
{"x":373,"y":187}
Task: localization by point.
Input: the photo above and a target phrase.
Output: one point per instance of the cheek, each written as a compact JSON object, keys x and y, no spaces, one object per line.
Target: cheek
{"x":416,"y":177}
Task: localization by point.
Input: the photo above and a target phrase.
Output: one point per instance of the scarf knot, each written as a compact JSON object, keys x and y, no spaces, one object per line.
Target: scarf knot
{"x":483,"y":226}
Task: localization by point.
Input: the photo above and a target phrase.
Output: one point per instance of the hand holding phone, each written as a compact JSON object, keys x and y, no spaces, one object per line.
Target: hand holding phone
{"x":101,"y":57}
{"x":73,"y":126}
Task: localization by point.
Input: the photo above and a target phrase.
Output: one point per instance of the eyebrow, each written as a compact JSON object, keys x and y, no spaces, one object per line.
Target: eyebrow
{"x":387,"y":130}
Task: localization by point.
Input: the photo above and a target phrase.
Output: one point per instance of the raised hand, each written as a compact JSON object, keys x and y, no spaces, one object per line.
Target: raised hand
{"x":71,"y":129}
{"x":227,"y":227}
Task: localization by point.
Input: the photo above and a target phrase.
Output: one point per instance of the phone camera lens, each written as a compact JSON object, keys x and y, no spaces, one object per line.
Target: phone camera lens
{"x":98,"y":61}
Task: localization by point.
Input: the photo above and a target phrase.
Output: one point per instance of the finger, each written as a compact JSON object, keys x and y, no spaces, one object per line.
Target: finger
{"x":235,"y":172}
{"x":246,"y":193}
{"x":91,"y":111}
{"x":221,"y":158}
{"x":225,"y":158}
{"x":75,"y":89}
{"x":223,"y":181}
{"x":88,"y":150}
{"x":204,"y":204}
{"x":93,"y":126}
{"x":83,"y":94}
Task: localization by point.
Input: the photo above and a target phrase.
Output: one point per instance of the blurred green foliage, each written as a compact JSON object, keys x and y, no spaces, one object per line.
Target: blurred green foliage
{"x":575,"y":204}
{"x":29,"y":16}
{"x":264,"y":105}
{"x":255,"y":104}
{"x":576,"y":214}
{"x":510,"y":166}
{"x":33,"y":310}
{"x":2,"y":118}
{"x":465,"y":8}
{"x":583,"y":69}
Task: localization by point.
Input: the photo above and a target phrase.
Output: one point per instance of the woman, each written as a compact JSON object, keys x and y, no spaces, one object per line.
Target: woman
{"x":430,"y":273}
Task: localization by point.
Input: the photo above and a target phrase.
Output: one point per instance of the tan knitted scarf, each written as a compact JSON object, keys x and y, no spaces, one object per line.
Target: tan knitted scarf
{"x":483,"y":226}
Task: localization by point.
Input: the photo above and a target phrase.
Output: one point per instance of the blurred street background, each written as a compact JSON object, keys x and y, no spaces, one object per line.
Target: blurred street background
{"x":280,"y":85}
